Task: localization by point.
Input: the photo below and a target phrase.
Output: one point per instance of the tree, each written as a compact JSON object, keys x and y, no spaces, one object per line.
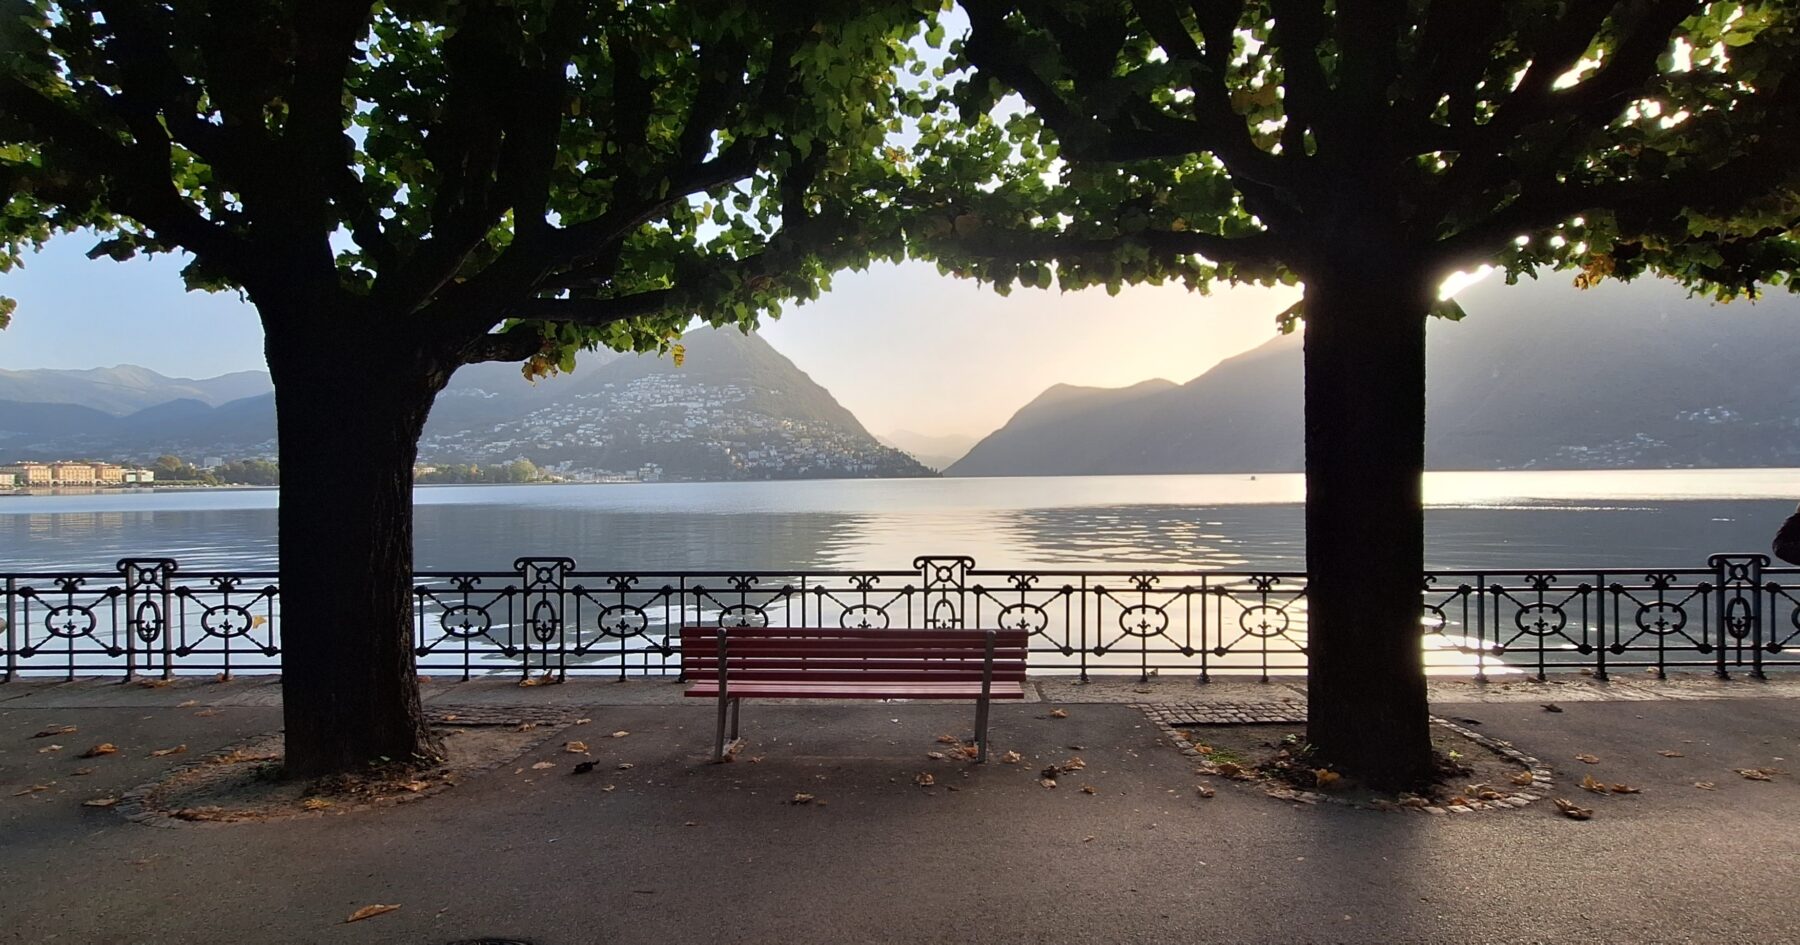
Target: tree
{"x":1368,"y":150}
{"x":405,"y":187}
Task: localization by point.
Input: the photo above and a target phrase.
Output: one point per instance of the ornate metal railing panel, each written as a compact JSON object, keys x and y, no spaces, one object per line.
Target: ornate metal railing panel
{"x":546,"y":615}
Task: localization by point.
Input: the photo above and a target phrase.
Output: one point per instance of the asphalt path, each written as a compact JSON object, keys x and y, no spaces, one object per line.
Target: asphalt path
{"x":681,"y":851}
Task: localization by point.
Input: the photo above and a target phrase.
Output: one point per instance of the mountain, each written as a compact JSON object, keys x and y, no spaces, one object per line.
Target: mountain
{"x":1540,"y":375}
{"x":934,"y":451}
{"x":737,"y":409}
{"x":126,"y":388}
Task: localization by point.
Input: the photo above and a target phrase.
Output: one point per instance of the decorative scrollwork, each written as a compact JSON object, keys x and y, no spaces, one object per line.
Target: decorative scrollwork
{"x":1143,"y":620}
{"x":1264,"y":620}
{"x":465,"y":620}
{"x":147,"y":621}
{"x":1434,"y":621}
{"x":1740,"y":619}
{"x":70,"y":621}
{"x":1661,"y":617}
{"x":1027,"y":617}
{"x":743,"y":615}
{"x":623,"y":620}
{"x":1541,"y":619}
{"x":863,"y":617}
{"x":226,"y":620}
{"x":545,"y":622}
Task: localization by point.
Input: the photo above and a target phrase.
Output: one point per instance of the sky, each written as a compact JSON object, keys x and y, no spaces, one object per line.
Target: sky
{"x":900,"y":346}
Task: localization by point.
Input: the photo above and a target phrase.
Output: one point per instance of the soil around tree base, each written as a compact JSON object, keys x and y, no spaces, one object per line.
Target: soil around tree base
{"x":243,"y":782}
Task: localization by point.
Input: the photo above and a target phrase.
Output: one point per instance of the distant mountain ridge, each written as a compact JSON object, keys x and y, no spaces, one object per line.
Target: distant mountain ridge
{"x":736,"y":409}
{"x":1540,"y":375}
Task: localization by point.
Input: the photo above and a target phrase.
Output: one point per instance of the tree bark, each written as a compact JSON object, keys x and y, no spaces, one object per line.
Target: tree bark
{"x":349,"y":414}
{"x":1365,"y":546}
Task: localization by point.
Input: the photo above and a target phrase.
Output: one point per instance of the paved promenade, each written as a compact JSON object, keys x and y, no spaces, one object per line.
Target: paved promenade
{"x":681,"y":851}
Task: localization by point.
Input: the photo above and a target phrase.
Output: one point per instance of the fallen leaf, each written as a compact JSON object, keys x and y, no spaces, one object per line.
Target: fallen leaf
{"x":1204,"y":749}
{"x":48,"y":749}
{"x":1011,"y":758}
{"x":948,"y":740}
{"x":1573,"y":811}
{"x":206,"y":713}
{"x":526,"y":726}
{"x":165,"y":752}
{"x":415,"y":786}
{"x":576,"y":748}
{"x":1552,"y":707}
{"x":451,"y":716}
{"x":1671,"y":753}
{"x":154,"y":683}
{"x":620,"y":734}
{"x":1047,"y":782}
{"x":627,"y":766}
{"x":610,"y":787}
{"x":104,"y":748}
{"x":1231,"y":769}
{"x":1087,"y":839}
{"x":970,"y":751}
{"x":188,"y":704}
{"x":100,"y":802}
{"x":582,"y":721}
{"x":315,"y":803}
{"x":542,"y":765}
{"x":35,"y":788}
{"x":936,"y":755}
{"x":1589,"y":784}
{"x":1058,"y":714}
{"x":1204,"y":790}
{"x":1626,"y":789}
{"x":1704,"y":785}
{"x":1523,"y":778}
{"x":56,"y":730}
{"x":1754,"y":774}
{"x":692,"y":823}
{"x":1587,"y":759}
{"x":369,"y":912}
{"x":924,"y":779}
{"x":1325,"y":778}
{"x":803,"y":799}
{"x":1413,"y":800}
{"x":1088,"y":789}
{"x":754,"y":759}
{"x":1073,"y":764}
{"x":1489,"y":795}
{"x":81,"y":772}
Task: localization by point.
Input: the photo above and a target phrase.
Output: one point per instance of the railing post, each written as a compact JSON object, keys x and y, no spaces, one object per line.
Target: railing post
{"x":1084,"y":629}
{"x":12,"y":629}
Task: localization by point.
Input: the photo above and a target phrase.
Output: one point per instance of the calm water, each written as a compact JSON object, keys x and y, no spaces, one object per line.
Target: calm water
{"x":1671,"y":518}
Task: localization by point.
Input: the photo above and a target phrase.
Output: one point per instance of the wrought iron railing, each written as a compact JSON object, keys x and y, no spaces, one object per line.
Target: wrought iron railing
{"x":546,"y":615}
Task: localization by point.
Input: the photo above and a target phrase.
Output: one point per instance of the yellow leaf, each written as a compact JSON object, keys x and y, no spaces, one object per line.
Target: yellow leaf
{"x":1670,"y":753}
{"x":1589,"y":784}
{"x":369,"y":912}
{"x":1704,"y":785}
{"x":576,"y":748}
{"x":803,"y":798}
{"x":48,"y":749}
{"x":100,"y":802}
{"x":104,"y":748}
{"x":415,"y":786}
{"x":924,"y":779}
{"x":1088,"y":789}
{"x":1047,"y":782}
{"x":582,"y":721}
{"x":1587,"y":759}
{"x":188,"y":704}
{"x":525,"y":726}
{"x":1325,"y":778}
{"x":1011,"y":758}
{"x":620,"y":734}
{"x":35,"y":788}
{"x":1204,"y":790}
{"x":165,"y":752}
{"x":948,"y":740}
{"x":1573,"y":811}
{"x":627,"y":766}
{"x":315,"y":803}
{"x":1754,"y":774}
{"x":1058,"y":714}
{"x":935,"y":755}
{"x":55,"y":730}
{"x":1523,"y":778}
{"x":542,"y":765}
{"x":1626,"y":789}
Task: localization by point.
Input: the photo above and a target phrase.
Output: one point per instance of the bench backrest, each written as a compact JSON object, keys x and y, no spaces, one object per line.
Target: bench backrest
{"x":791,"y":654}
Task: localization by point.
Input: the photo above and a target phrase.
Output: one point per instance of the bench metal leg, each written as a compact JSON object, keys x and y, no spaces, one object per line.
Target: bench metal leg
{"x":719,"y":739}
{"x":736,"y":704}
{"x":981,"y":730}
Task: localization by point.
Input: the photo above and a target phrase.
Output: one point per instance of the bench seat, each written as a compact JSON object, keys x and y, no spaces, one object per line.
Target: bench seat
{"x":775,"y":689}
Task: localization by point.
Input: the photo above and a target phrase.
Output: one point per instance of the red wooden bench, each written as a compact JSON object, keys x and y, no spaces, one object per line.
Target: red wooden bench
{"x":732,"y":664}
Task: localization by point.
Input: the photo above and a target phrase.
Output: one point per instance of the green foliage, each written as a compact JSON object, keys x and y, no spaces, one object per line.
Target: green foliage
{"x":504,"y":179}
{"x":1271,"y":141}
{"x":519,"y":470}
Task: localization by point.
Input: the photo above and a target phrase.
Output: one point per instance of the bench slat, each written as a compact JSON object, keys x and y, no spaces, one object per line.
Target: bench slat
{"x":912,"y":690}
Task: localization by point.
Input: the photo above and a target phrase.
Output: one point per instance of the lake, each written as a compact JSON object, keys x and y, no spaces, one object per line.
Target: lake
{"x":1496,"y":520}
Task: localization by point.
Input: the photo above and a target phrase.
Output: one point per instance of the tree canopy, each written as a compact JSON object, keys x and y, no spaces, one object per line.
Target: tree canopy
{"x":1238,"y":141}
{"x":522,"y":179}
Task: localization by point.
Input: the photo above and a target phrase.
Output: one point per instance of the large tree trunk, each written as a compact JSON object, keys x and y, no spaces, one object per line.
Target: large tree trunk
{"x":349,"y":415}
{"x":1365,"y":546}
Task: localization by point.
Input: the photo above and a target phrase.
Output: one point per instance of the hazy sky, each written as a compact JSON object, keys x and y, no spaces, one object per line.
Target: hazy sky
{"x":902,"y":347}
